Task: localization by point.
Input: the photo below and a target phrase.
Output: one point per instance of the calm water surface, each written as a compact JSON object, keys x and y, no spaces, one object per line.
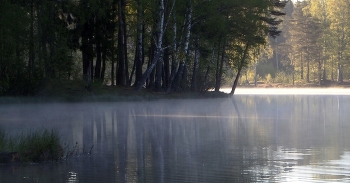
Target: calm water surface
{"x":249,"y":138}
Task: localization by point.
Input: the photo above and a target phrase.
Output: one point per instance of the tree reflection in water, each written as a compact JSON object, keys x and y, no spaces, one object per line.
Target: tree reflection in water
{"x":250,"y":138}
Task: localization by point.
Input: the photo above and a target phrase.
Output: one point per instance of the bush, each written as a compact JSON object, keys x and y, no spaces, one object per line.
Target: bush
{"x":268,"y":78}
{"x":282,"y":77}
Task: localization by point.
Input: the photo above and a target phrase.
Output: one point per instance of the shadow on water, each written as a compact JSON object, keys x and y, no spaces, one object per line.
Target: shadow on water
{"x":243,"y":139}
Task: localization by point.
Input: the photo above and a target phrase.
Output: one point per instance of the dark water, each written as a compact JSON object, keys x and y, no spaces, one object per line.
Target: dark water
{"x":251,"y":138}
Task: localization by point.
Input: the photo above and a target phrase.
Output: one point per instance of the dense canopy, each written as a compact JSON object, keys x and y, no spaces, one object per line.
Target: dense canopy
{"x":162,"y":45}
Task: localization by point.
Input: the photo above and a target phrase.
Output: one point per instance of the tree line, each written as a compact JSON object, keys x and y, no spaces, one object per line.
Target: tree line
{"x":314,"y":44}
{"x":161,"y":45}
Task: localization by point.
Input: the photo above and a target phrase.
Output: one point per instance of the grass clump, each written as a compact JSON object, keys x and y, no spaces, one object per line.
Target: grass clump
{"x":38,"y":146}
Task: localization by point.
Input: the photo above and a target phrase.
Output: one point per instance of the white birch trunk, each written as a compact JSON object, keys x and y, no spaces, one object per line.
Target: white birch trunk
{"x":176,"y":79}
{"x":159,"y":48}
{"x":188,"y":33}
{"x":174,"y":55}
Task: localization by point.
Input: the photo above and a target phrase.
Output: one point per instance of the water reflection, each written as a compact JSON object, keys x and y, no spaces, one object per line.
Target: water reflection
{"x":244,"y":139}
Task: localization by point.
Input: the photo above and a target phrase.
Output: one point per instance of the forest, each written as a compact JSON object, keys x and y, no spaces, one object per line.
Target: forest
{"x":313,"y":47}
{"x":162,"y":45}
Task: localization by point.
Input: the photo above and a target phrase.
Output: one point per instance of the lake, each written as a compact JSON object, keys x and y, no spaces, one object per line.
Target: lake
{"x":283,"y":136}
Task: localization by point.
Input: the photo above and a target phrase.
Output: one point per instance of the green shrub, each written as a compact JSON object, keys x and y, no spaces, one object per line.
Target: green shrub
{"x":268,"y":78}
{"x":282,"y":77}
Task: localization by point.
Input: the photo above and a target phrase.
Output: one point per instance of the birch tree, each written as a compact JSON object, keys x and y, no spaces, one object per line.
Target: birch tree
{"x":159,"y":46}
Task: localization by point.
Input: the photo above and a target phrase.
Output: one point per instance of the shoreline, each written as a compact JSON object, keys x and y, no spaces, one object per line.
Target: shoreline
{"x":127,"y":94}
{"x":327,"y":84}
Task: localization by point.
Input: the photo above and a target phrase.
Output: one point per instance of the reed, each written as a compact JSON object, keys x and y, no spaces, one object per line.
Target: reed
{"x":37,"y":146}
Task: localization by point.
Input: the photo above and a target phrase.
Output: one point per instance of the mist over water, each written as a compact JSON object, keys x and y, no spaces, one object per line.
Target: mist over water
{"x":289,"y":91}
{"x":247,"y":138}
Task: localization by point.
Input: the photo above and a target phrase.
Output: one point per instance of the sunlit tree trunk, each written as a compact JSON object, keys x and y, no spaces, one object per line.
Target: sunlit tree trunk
{"x":243,"y":58}
{"x":308,"y":66}
{"x":301,"y":66}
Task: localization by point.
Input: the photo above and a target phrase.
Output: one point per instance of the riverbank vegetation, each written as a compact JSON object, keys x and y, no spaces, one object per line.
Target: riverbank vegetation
{"x":41,"y":145}
{"x":158,"y":46}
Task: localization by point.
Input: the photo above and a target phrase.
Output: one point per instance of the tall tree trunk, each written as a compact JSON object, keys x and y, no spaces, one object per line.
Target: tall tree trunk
{"x":31,"y":41}
{"x":126,"y":56}
{"x":103,"y":69}
{"x":205,"y":79}
{"x":207,"y":72}
{"x":319,"y":73}
{"x":182,"y":64}
{"x":256,"y":73}
{"x":195,"y":67}
{"x":51,"y":42}
{"x":178,"y":76}
{"x":44,"y":54}
{"x":235,"y":83}
{"x":217,"y":78}
{"x":220,"y":67}
{"x":121,"y":74}
{"x":159,"y":49}
{"x":308,"y":67}
{"x":112,"y":61}
{"x":98,"y":48}
{"x":174,"y":55}
{"x":301,"y":66}
{"x":151,"y":78}
{"x":98,"y":60}
{"x":86,"y":49}
{"x":139,"y":42}
{"x":159,"y":73}
{"x":132,"y":73}
{"x":166,"y":61}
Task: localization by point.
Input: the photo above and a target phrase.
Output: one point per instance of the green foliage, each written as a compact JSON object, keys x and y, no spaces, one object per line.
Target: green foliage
{"x":282,"y":77}
{"x":46,"y":40}
{"x":268,"y":78}
{"x":266,"y":68}
{"x":40,"y":145}
{"x":13,"y":31}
